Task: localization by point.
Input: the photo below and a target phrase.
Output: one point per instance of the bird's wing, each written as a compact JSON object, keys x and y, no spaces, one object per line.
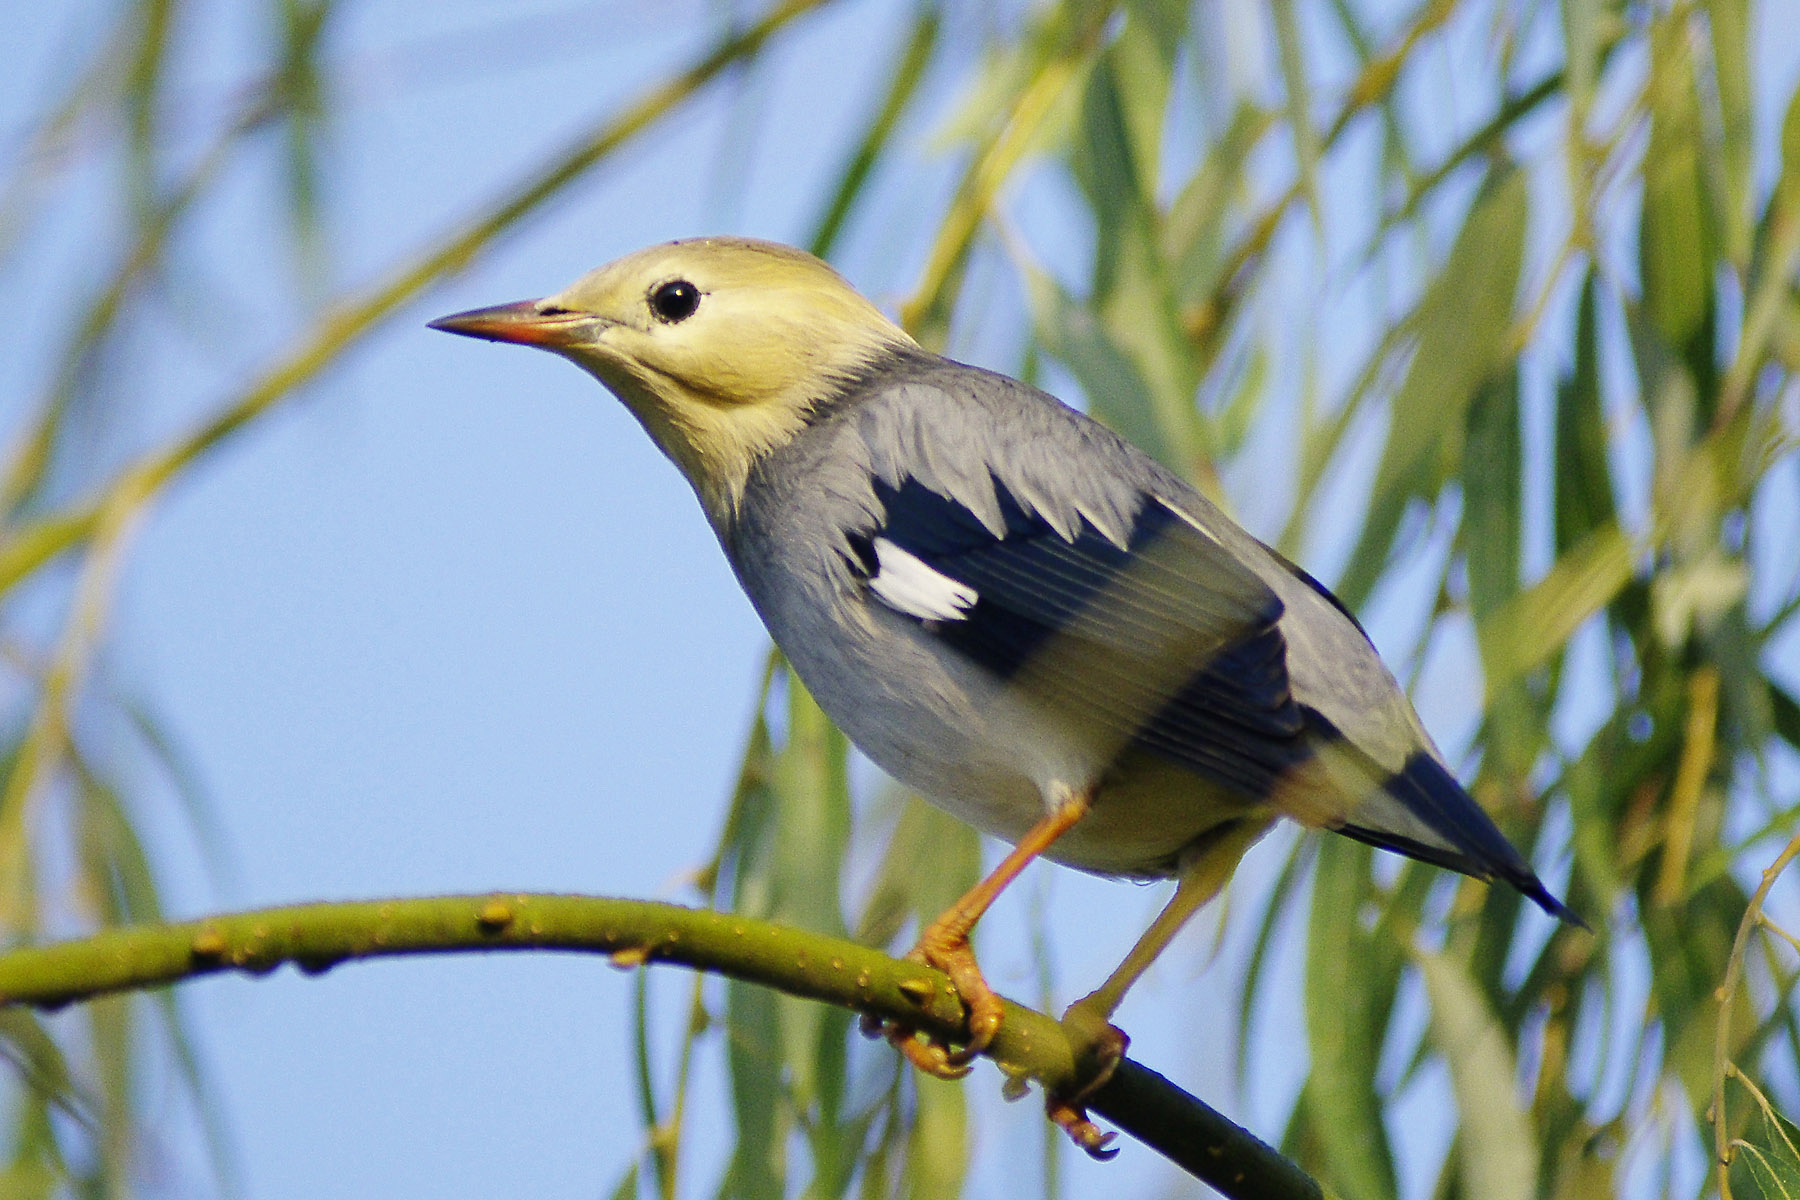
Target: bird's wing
{"x":1155,"y":638}
{"x":1041,"y":546}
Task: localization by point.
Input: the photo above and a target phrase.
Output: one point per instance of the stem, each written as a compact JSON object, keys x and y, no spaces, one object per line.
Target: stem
{"x":317,"y":937}
{"x":1722,"y":1035}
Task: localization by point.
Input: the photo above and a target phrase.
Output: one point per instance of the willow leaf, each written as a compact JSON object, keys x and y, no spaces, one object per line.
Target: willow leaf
{"x":1496,"y":1148}
{"x":1463,"y":327}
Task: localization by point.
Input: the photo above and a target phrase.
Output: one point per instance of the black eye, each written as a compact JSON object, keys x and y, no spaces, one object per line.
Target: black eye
{"x":674,"y":301}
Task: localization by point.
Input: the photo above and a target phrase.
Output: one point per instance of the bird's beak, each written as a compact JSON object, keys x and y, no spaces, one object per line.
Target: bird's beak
{"x":528,"y":322}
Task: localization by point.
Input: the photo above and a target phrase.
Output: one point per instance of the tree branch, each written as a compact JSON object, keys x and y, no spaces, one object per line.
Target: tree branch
{"x":317,"y":937}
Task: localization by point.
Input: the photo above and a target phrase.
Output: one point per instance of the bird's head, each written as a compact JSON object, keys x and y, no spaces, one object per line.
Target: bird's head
{"x":721,"y":347}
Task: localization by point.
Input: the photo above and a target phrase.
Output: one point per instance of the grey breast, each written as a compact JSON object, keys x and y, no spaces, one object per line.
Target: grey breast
{"x":1120,"y":603}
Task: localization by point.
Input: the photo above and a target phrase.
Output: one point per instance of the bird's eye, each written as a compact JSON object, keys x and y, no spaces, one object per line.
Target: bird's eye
{"x":674,"y":301}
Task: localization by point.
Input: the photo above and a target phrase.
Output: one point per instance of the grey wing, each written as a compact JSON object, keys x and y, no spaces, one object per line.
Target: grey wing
{"x":1155,"y":638}
{"x":1044,"y":548}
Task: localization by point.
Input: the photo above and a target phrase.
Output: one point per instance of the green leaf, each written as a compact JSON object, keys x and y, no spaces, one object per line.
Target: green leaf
{"x":153,"y":33}
{"x":811,"y":788}
{"x":29,"y":1181}
{"x":1537,"y":622}
{"x":644,"y":1081}
{"x":1166,"y":23}
{"x":1584,"y":491}
{"x":1688,"y":946}
{"x":1586,"y":1170}
{"x":1299,"y":105}
{"x":34,"y":1056}
{"x":112,"y":1026}
{"x":1787,"y":188}
{"x":1463,"y":326}
{"x":838,"y":1149}
{"x":1694,"y":595}
{"x":300,"y":86}
{"x":35,"y":1150}
{"x":903,"y":86}
{"x":810,"y":785}
{"x":1008,"y":70}
{"x":1193,"y":234}
{"x":113,"y":855}
{"x":937,"y":1158}
{"x":931,"y":860}
{"x":1235,"y":418}
{"x":1496,"y":1147}
{"x":1784,"y":713}
{"x":628,"y":1184}
{"x":1282,"y":900}
{"x":1134,"y":303}
{"x":1491,"y":537}
{"x":1766,"y":1163}
{"x":1345,"y":1020}
{"x":1581,"y":50}
{"x":761,"y":1116}
{"x":1675,"y":246}
{"x":1117,"y":392}
{"x":1729,"y":24}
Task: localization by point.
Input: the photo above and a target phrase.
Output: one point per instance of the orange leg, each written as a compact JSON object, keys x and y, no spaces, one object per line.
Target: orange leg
{"x":944,"y":944}
{"x":1099,"y":1043}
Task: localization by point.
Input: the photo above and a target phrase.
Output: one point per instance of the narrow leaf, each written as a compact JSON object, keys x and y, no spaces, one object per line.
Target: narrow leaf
{"x":1496,"y":1147}
{"x":1729,"y":24}
{"x":1344,"y":1027}
{"x":1463,"y":326}
{"x":1584,"y":493}
{"x":1674,"y":247}
{"x":1538,"y":621}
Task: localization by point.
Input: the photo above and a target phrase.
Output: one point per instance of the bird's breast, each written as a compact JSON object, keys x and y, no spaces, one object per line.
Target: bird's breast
{"x":960,"y":736}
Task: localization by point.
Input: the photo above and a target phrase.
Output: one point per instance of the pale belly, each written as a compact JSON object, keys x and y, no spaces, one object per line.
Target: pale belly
{"x":947,"y":729}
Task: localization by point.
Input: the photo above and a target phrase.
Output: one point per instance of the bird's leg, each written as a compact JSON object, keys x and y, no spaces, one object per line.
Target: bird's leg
{"x":944,"y":944}
{"x":1099,"y":1044}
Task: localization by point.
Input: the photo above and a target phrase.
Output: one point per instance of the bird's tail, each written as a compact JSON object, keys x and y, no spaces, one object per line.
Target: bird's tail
{"x":1419,"y":811}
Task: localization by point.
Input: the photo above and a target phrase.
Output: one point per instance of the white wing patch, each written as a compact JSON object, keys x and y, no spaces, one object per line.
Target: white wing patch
{"x":906,"y":584}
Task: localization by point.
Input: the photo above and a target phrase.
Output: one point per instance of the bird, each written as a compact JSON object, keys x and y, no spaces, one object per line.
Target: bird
{"x":1007,"y":606}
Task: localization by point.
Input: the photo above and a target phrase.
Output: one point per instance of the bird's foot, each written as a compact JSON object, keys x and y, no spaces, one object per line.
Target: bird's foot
{"x":945,"y":945}
{"x":946,"y":948}
{"x":926,"y":1053}
{"x":1099,"y":1046}
{"x":923,"y":1051}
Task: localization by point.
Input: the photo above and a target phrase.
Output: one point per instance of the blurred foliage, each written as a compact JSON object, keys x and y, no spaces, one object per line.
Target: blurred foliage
{"x":1567,"y":411}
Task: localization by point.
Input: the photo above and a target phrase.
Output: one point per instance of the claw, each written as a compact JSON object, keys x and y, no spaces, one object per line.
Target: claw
{"x":933,"y":1058}
{"x":926,"y":1053}
{"x":949,"y":951}
{"x":1099,"y":1048}
{"x":985,"y":1010}
{"x":1073,"y":1120}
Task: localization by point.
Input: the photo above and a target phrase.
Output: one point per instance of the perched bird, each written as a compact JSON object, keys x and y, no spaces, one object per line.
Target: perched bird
{"x":1004,"y":604}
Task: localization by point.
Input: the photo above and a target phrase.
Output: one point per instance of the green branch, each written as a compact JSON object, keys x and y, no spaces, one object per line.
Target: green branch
{"x":317,"y":937}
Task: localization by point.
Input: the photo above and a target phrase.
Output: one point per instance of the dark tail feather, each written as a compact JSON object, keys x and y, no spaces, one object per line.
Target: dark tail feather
{"x":1432,"y":794}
